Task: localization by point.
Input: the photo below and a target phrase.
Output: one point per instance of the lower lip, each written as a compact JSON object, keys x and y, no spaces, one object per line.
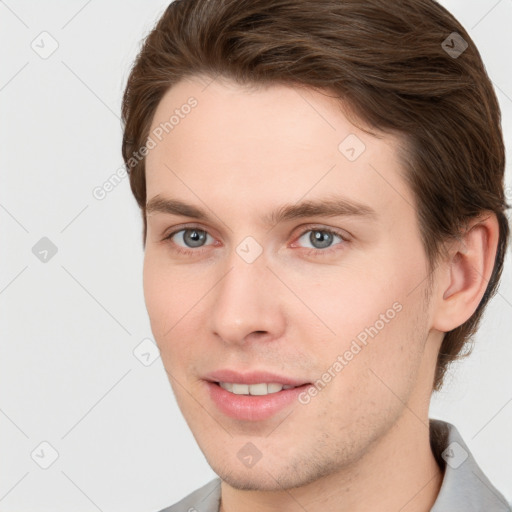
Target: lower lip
{"x":253,"y":408}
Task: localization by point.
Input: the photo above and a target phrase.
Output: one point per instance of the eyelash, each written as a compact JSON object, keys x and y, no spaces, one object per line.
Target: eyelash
{"x":308,"y":251}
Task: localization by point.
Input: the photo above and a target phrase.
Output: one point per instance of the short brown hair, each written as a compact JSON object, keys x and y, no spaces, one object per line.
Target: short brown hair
{"x":389,"y":64}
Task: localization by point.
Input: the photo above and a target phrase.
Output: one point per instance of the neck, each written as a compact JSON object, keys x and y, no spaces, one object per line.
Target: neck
{"x":399,"y":472}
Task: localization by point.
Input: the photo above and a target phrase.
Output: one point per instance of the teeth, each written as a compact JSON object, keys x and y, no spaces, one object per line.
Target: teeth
{"x":253,"y":389}
{"x":240,"y":389}
{"x":257,"y":389}
{"x":275,"y":388}
{"x":228,"y":386}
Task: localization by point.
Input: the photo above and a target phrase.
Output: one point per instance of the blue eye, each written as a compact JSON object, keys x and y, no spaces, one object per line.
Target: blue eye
{"x":190,"y":237}
{"x":320,"y":238}
{"x":192,"y":241}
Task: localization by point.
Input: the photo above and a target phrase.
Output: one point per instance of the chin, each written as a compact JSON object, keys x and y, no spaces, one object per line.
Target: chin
{"x":269,"y":479}
{"x":262,"y":481}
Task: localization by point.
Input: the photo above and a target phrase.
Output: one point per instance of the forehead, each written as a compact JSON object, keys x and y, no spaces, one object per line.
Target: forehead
{"x":276,"y":142}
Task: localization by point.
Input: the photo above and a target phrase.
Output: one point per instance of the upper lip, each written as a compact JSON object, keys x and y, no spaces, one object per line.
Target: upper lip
{"x":254,"y":377}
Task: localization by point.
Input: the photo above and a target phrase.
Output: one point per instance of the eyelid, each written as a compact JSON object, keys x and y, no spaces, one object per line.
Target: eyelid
{"x":168,"y":235}
{"x":305,"y":228}
{"x":344,"y":235}
{"x":181,"y":227}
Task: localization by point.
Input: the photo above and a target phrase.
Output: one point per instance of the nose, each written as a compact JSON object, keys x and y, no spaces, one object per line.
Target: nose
{"x":247,"y":303}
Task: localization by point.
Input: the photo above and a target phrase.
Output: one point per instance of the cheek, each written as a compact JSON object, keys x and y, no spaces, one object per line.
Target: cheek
{"x":382,"y":369}
{"x":349,"y":298}
{"x":157,"y":294}
{"x":376,"y":321}
{"x":176,"y":301}
{"x":168,"y":296}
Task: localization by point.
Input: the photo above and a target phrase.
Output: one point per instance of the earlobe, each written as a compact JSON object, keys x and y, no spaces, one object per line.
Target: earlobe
{"x":465,"y":275}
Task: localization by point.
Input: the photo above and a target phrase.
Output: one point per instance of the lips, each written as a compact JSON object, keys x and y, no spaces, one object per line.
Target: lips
{"x":259,"y":404}
{"x":253,"y":377}
{"x":253,"y":389}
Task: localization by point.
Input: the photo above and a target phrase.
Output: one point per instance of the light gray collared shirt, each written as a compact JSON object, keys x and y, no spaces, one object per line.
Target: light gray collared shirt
{"x":465,"y":488}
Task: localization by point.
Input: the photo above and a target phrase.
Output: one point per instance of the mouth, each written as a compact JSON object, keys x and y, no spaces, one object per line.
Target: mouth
{"x":258,"y":389}
{"x":255,"y":401}
{"x":237,"y":382}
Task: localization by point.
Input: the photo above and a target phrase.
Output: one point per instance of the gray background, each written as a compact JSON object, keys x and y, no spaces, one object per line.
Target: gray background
{"x":69,"y":326}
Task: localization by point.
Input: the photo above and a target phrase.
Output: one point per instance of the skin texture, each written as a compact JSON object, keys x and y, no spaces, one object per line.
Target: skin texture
{"x":362,"y":443}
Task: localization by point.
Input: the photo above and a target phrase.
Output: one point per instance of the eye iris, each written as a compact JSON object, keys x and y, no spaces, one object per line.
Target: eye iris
{"x":322,"y":237}
{"x":194,"y":237}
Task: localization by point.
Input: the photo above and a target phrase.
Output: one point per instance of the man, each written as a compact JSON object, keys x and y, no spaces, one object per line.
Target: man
{"x":321,"y":184}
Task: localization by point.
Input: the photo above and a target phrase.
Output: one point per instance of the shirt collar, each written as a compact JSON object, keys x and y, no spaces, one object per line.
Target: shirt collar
{"x":464,"y":488}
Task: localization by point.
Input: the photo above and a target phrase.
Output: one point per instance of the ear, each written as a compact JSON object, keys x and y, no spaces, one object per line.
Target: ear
{"x":464,"y":275}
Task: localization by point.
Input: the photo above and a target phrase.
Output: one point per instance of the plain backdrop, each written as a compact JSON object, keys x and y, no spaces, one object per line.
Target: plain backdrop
{"x":72,"y":313}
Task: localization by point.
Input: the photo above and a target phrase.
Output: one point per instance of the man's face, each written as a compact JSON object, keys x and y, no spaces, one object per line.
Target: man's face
{"x":288,"y":298}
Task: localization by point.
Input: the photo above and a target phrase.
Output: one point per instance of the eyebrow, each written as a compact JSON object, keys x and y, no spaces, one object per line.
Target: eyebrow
{"x":331,"y":206}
